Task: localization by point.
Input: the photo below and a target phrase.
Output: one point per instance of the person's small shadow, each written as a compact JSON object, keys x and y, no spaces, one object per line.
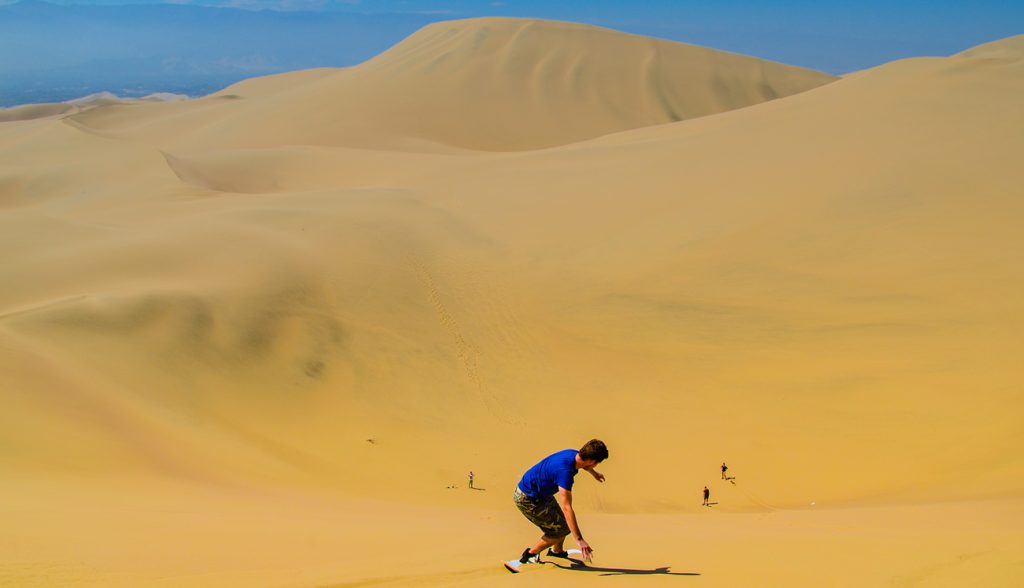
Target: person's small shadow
{"x":578,"y":566}
{"x":711,"y":504}
{"x":480,"y":489}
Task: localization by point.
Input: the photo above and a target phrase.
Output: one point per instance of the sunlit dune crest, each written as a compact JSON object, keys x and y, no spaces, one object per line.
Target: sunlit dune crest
{"x":485,"y":84}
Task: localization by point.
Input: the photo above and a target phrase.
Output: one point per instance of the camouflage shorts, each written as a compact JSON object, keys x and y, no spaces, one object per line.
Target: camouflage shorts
{"x":545,"y":513}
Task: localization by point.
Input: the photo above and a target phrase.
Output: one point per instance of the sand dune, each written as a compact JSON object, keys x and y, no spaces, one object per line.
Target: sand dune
{"x":258,"y":336}
{"x":34,"y":111}
{"x":482,"y":84}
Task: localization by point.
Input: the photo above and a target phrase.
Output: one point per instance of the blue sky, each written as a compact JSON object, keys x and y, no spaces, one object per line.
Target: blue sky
{"x":193,"y":46}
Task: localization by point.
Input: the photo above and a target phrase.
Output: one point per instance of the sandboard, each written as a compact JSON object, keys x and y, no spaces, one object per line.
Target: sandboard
{"x":515,"y":566}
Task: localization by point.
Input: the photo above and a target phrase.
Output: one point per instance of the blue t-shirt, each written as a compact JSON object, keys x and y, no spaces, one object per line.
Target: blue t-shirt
{"x":553,"y":472}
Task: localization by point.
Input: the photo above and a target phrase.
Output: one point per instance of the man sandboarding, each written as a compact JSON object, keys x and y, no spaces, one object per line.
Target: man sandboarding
{"x":544,"y":496}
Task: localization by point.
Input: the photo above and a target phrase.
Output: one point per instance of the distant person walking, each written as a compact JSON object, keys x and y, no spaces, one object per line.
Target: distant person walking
{"x":724,"y":469}
{"x":707,"y":495}
{"x":544,"y":496}
{"x":470,"y":478}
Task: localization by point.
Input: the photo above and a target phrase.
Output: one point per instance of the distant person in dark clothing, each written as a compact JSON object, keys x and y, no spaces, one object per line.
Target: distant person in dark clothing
{"x":707,"y":495}
{"x":724,"y":468}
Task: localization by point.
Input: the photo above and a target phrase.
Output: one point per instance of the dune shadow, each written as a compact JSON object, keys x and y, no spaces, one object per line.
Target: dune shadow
{"x":579,"y":566}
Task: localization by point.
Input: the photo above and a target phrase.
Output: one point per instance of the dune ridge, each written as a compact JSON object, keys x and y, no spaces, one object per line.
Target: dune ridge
{"x":34,"y":111}
{"x":485,"y":84}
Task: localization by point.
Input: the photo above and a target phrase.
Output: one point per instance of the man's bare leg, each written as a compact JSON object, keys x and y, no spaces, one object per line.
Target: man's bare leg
{"x":545,"y":541}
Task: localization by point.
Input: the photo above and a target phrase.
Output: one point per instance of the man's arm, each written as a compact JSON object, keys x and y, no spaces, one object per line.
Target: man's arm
{"x":565,"y":500}
{"x":597,"y":475}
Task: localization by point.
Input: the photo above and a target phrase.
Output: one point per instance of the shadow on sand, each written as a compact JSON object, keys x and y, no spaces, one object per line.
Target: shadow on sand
{"x":579,"y":566}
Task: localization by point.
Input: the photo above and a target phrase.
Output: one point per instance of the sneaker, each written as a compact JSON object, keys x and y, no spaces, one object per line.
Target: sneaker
{"x":561,"y":554}
{"x":529,"y":557}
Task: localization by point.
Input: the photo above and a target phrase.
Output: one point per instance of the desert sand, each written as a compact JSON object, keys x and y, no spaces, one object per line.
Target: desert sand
{"x":259,"y":338}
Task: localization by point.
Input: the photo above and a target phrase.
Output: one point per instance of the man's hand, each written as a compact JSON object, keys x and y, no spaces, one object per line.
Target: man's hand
{"x":588,"y":552}
{"x":597,"y":475}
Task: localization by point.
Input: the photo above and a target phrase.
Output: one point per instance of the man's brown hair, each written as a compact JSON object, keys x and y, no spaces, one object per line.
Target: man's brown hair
{"x":594,"y":449}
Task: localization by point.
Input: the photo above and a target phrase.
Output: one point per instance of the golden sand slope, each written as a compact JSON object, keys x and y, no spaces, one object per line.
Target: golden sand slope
{"x":245,"y":317}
